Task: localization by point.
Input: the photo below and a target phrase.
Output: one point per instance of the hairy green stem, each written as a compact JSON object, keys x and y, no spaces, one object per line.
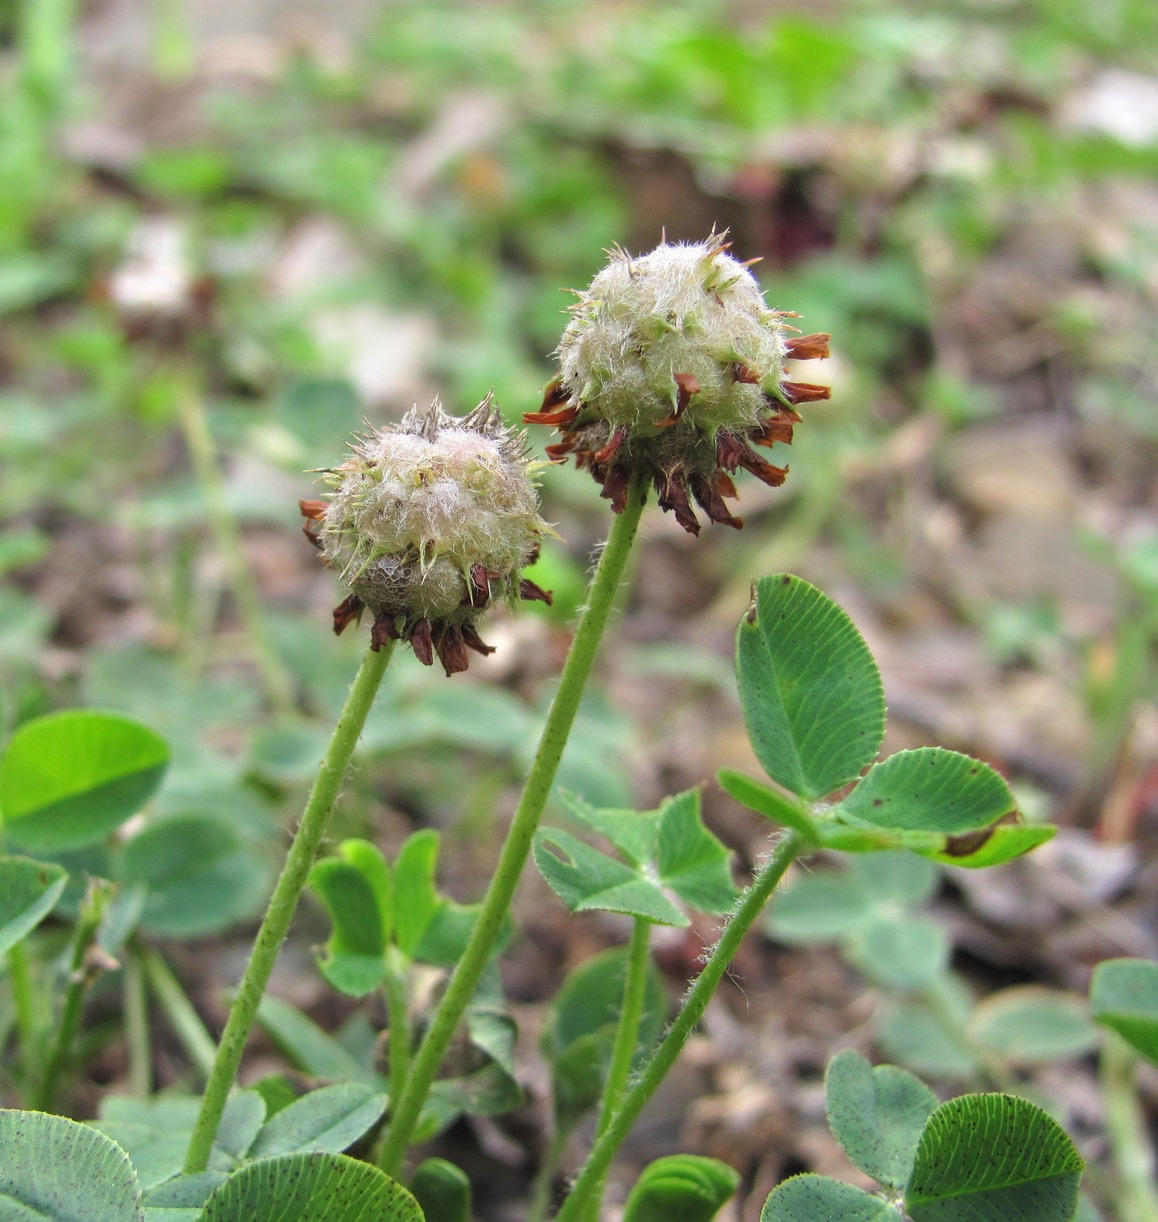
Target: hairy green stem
{"x":283,"y":903}
{"x":136,"y":1007}
{"x":627,"y":1031}
{"x":1135,"y":1196}
{"x":626,"y":1039}
{"x":183,"y":1018}
{"x":85,"y":963}
{"x":227,"y":537}
{"x":28,"y":1017}
{"x":513,"y":856}
{"x":749,"y":907}
{"x":399,"y":1018}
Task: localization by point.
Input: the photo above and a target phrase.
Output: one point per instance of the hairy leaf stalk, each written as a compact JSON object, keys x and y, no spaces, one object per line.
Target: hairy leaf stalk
{"x":751,"y":904}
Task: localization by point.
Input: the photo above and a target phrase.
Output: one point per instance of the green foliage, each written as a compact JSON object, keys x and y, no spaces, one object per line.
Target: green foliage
{"x":356,"y":888}
{"x":1124,"y":997}
{"x":1031,"y":1024}
{"x":974,"y":1158}
{"x":311,"y":1188}
{"x":328,"y":1119}
{"x":28,"y":893}
{"x":810,"y":690}
{"x":814,"y":707}
{"x":374,"y":907}
{"x":155,"y":1135}
{"x":986,"y":1155}
{"x":312,"y":416}
{"x":199,"y":875}
{"x":442,"y":1191}
{"x":666,"y":850}
{"x":69,"y":779}
{"x":877,"y":1115}
{"x":389,"y":921}
{"x":805,"y":1198}
{"x":681,"y":1188}
{"x":871,"y":909}
{"x":312,"y":1049}
{"x":54,"y":1168}
{"x":580,"y":1031}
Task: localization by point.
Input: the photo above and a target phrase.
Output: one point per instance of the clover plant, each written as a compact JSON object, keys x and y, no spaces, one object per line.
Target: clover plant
{"x":672,"y":369}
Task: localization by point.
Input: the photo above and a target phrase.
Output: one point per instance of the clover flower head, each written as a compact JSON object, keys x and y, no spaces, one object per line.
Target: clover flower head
{"x":427,"y":523}
{"x":673,"y":366}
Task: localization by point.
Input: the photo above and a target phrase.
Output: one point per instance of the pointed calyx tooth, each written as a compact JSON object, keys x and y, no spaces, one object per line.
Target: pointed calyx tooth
{"x":427,"y":523}
{"x":680,"y":336}
{"x":744,"y":373}
{"x":687,"y":384}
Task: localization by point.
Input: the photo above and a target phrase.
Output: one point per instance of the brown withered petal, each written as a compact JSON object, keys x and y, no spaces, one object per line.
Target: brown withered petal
{"x":383,"y":629}
{"x":771,"y":475}
{"x":553,"y":394}
{"x":422,"y":642}
{"x":562,"y":416}
{"x":805,"y":392}
{"x":711,"y":502}
{"x":725,"y":486}
{"x":808,"y":347}
{"x":313,"y":512}
{"x":728,"y":450}
{"x":673,"y":496}
{"x":531,"y":592}
{"x":471,"y":637}
{"x":616,"y":485}
{"x":451,"y":641}
{"x":348,"y":611}
{"x":612,"y":447}
{"x":451,"y":650}
{"x":479,"y":587}
{"x":774,"y":429}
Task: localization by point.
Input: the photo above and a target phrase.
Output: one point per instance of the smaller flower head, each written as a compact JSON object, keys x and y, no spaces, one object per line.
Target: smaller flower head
{"x":673,"y":366}
{"x":427,"y":522}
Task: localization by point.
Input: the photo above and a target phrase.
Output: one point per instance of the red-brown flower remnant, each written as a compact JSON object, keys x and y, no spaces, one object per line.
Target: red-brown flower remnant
{"x":673,"y":366}
{"x":427,"y":522}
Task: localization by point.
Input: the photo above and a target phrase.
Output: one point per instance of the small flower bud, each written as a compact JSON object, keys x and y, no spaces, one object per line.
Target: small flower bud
{"x":672,"y":365}
{"x":426,"y":523}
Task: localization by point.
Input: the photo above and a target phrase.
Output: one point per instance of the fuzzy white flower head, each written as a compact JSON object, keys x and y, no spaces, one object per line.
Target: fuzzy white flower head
{"x":692,"y":311}
{"x":428,"y":520}
{"x":671,"y":365}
